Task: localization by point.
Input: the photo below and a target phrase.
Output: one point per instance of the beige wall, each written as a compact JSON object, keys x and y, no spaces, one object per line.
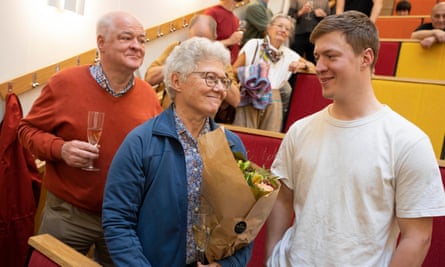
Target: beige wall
{"x":35,"y":35}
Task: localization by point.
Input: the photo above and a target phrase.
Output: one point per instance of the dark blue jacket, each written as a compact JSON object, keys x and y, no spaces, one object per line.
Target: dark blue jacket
{"x":145,"y":199}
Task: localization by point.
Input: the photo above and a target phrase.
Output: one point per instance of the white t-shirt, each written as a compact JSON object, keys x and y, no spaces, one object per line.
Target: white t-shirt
{"x":349,"y":179}
{"x":278,"y":72}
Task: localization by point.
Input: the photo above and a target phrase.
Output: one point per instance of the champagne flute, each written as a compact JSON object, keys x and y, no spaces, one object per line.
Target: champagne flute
{"x":242,"y":25}
{"x":308,"y":15}
{"x":94,"y":132}
{"x":202,"y":225}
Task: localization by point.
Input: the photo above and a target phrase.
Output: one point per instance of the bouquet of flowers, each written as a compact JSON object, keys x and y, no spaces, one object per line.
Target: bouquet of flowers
{"x":238,"y":213}
{"x":260,"y":181}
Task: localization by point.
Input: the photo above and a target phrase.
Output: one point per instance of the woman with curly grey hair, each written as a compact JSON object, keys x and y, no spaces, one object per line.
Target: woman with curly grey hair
{"x":187,"y":59}
{"x":154,"y":182}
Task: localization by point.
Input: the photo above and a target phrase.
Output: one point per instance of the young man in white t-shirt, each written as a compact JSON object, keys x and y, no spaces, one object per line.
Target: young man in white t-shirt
{"x":355,"y":174}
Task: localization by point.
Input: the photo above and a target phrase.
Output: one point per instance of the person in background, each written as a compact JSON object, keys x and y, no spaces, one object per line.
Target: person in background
{"x":307,"y":15}
{"x":154,"y":182}
{"x":282,"y":62}
{"x":228,"y":26}
{"x":371,"y":8}
{"x":403,"y":8}
{"x":55,"y":130}
{"x":433,"y":32}
{"x":355,"y":174}
{"x":257,"y":18}
{"x":332,"y":7}
{"x":200,"y":26}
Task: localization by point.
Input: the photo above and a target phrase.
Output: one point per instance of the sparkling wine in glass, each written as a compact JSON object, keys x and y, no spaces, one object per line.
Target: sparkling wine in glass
{"x":311,"y":4}
{"x":202,"y":227}
{"x":94,"y":132}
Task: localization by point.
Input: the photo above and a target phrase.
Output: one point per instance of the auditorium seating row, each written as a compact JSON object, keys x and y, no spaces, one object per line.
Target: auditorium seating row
{"x":402,"y":26}
{"x":407,"y":59}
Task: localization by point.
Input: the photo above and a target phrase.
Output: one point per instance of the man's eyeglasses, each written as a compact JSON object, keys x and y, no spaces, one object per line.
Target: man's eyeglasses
{"x":212,"y":79}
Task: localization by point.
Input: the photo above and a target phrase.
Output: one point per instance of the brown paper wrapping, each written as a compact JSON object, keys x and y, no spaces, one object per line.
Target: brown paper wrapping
{"x":239,"y":217}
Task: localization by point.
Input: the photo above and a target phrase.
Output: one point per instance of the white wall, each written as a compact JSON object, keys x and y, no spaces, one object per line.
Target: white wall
{"x":36,"y":35}
{"x":279,"y":6}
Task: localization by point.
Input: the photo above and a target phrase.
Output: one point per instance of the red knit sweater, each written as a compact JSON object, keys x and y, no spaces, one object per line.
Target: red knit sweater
{"x":227,"y":23}
{"x":60,"y":114}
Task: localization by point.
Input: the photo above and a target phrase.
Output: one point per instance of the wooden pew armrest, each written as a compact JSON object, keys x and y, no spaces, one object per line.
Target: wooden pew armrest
{"x":253,"y":131}
{"x":59,"y":252}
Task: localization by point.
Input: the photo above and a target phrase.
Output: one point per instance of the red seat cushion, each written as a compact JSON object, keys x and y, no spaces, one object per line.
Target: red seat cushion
{"x":260,"y":149}
{"x":38,"y":260}
{"x":306,"y":98}
{"x":387,"y":60}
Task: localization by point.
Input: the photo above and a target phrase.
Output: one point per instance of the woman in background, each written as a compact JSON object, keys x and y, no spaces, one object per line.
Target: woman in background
{"x":282,"y":62}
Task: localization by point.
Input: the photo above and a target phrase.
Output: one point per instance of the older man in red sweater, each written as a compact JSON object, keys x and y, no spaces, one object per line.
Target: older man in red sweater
{"x":56,"y":130}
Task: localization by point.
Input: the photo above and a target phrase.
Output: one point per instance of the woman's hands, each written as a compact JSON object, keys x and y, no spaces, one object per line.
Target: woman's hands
{"x":302,"y":65}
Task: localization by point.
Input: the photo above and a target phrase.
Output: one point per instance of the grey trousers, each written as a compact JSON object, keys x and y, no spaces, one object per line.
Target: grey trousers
{"x":269,"y":119}
{"x":77,"y":228}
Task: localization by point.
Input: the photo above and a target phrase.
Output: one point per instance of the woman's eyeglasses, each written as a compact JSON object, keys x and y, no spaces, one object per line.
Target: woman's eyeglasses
{"x":212,"y":80}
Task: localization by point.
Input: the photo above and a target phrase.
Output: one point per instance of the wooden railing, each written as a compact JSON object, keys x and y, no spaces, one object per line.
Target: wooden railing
{"x":49,"y":251}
